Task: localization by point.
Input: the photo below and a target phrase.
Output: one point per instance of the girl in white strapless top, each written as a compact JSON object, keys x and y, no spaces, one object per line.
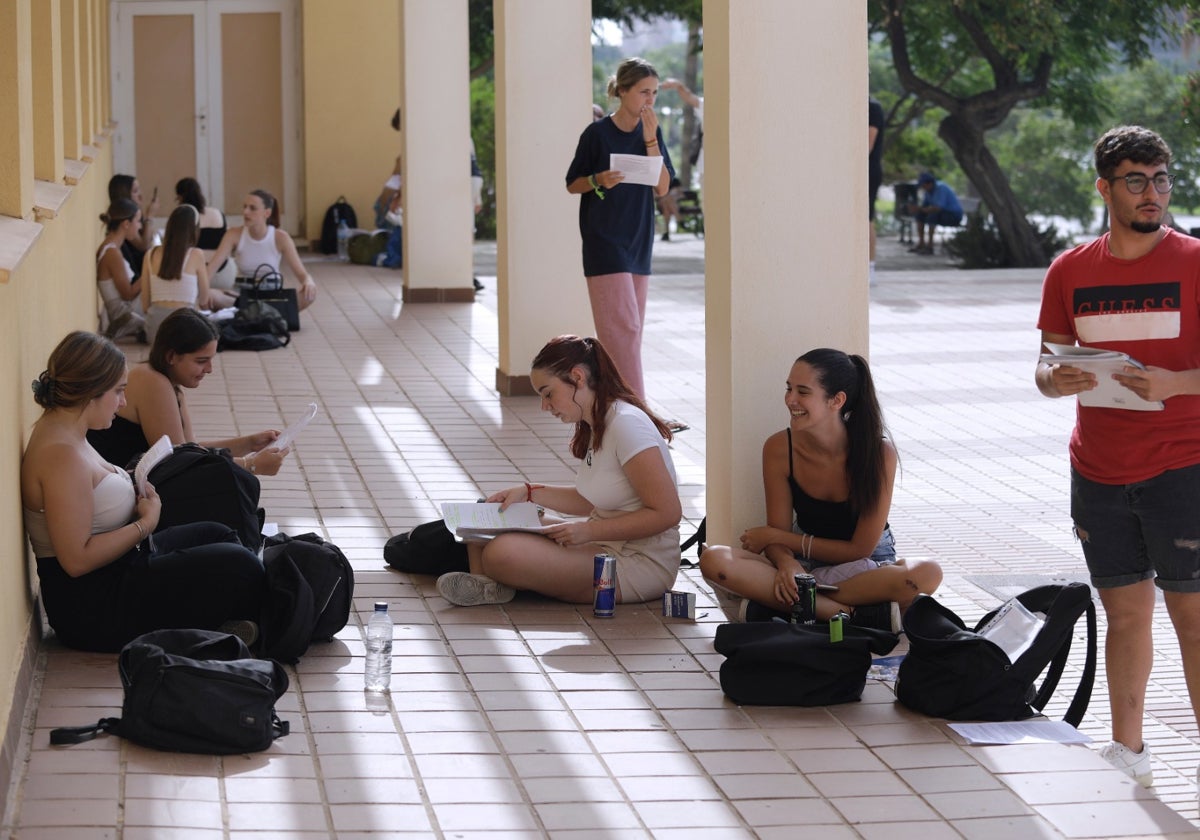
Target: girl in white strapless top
{"x":174,"y":275}
{"x":119,"y":288}
{"x":102,"y":581}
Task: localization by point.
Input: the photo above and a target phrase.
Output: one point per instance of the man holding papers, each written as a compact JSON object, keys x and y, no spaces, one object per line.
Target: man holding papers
{"x":620,"y":165}
{"x":1135,"y":474}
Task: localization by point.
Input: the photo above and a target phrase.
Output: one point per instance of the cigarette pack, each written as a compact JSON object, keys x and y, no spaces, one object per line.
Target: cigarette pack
{"x":679,"y":604}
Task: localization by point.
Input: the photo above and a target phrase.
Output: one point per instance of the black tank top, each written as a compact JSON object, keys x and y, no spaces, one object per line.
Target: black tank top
{"x":827,"y":520}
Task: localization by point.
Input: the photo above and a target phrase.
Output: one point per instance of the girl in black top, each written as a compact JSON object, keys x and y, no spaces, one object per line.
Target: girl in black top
{"x":830,"y":474}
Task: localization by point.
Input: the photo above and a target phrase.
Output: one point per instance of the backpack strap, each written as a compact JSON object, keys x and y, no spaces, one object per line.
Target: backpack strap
{"x":697,"y":539}
{"x":1062,"y":606}
{"x":65,"y":735}
{"x":279,"y":728}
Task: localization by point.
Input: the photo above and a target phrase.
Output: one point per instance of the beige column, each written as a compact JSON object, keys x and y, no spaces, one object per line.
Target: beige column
{"x":436,"y":131}
{"x":47,"y":91}
{"x":785,"y":197}
{"x":87,"y":72}
{"x":72,"y":118}
{"x":543,"y":102}
{"x":16,"y":111}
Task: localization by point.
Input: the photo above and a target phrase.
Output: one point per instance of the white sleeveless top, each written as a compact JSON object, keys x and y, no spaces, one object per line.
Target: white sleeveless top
{"x":108,"y":289}
{"x":250,"y":253}
{"x":184,"y":290}
{"x":113,"y":505}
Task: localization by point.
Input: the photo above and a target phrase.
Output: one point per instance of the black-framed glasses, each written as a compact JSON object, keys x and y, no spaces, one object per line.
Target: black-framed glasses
{"x":1136,"y":182}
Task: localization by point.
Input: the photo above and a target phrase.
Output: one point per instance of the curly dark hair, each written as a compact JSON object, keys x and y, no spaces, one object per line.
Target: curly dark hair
{"x":1129,"y":142}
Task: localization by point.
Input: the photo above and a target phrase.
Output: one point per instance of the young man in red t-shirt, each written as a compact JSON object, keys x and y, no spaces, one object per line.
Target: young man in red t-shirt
{"x":1135,"y":475}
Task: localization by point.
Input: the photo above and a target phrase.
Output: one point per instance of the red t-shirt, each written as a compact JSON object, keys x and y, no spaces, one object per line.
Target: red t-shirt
{"x":1150,"y":309}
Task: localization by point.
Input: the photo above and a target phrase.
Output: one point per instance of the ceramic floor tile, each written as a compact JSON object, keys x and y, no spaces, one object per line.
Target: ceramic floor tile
{"x":535,"y":718}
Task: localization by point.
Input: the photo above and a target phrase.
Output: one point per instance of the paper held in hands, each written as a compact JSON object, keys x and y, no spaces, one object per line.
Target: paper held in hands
{"x":485,"y":519}
{"x":1108,"y":393}
{"x":637,"y":169}
{"x":161,"y":449}
{"x":289,"y":434}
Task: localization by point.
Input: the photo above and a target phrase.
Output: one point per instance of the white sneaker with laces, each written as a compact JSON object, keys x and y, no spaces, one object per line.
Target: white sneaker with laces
{"x":468,"y":590}
{"x":1134,"y":765}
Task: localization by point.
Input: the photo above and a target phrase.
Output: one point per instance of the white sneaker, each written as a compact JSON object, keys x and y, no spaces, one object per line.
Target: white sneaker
{"x":468,"y":590}
{"x":1134,"y":765}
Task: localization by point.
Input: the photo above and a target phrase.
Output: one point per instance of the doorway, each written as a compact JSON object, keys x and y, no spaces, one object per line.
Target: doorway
{"x":208,"y":88}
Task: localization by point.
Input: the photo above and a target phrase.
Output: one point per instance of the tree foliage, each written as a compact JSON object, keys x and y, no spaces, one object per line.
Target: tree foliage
{"x":978,"y":60}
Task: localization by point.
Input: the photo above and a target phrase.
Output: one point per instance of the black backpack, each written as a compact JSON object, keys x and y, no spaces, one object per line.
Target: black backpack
{"x":338,"y":212}
{"x":773,"y":663}
{"x":198,"y":484}
{"x":428,"y":549}
{"x":257,"y":325}
{"x":953,"y":672}
{"x":310,"y":588}
{"x":193,"y":691}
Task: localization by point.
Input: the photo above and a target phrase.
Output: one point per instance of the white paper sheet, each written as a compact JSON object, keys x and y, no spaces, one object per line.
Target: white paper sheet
{"x":637,"y":169}
{"x":486,"y":519}
{"x":1021,"y":732}
{"x":161,"y":449}
{"x":289,"y":434}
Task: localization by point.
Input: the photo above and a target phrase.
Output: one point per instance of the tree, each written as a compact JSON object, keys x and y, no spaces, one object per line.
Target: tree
{"x":978,"y":59}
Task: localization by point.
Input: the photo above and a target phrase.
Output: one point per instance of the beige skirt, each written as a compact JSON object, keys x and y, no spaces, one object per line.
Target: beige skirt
{"x":646,"y":567}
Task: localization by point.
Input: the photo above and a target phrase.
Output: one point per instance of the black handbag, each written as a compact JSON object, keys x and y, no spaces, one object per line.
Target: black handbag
{"x":266,"y":285}
{"x":772,"y":663}
{"x":428,"y":549}
{"x":194,"y":691}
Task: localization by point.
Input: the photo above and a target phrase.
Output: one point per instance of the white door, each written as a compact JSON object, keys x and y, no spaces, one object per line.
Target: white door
{"x":208,"y":88}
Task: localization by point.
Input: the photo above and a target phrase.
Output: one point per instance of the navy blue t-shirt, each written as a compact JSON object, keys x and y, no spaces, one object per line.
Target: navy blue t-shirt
{"x":618,"y":231}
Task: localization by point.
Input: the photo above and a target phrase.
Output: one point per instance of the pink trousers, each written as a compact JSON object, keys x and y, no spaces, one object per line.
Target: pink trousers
{"x":619,"y":311}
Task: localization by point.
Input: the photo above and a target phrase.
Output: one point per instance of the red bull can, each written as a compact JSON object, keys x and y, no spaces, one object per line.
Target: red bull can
{"x":804,"y":611}
{"x":604,"y":586}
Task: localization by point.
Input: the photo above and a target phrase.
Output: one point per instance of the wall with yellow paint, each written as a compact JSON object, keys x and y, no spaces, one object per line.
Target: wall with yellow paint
{"x":351,"y":66}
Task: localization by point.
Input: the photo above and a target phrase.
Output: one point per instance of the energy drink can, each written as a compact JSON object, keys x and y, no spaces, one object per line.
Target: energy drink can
{"x":804,"y":611}
{"x":604,"y":586}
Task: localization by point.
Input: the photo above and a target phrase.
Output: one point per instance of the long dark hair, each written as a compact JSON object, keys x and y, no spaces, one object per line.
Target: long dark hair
{"x":183,"y":228}
{"x":120,"y":186}
{"x":838,"y":371}
{"x":271,"y":203}
{"x":189,"y":192}
{"x":183,"y":331}
{"x":82,"y":367}
{"x":563,"y":354}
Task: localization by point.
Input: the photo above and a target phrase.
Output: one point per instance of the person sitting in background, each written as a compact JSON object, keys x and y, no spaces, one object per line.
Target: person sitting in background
{"x":260,"y":242}
{"x":120,"y":288}
{"x":139,"y":242}
{"x":830,"y":475}
{"x":155,"y":403}
{"x":626,"y":489}
{"x":104,"y":579}
{"x":939,"y":206}
{"x":173,"y":274}
{"x":668,"y":206}
{"x":222,"y":291}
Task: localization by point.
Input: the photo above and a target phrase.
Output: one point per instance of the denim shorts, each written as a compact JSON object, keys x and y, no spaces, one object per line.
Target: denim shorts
{"x":1132,"y":532}
{"x":833,"y":574}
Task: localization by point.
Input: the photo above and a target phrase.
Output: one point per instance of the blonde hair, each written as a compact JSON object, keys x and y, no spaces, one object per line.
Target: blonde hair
{"x":629,"y":73}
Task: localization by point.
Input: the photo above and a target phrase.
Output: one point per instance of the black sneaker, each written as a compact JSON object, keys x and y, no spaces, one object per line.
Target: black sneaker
{"x":754,"y":611}
{"x":883,"y":616}
{"x":478,"y":285}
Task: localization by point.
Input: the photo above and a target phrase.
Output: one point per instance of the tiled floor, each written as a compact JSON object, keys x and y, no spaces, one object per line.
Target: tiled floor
{"x":535,"y":719}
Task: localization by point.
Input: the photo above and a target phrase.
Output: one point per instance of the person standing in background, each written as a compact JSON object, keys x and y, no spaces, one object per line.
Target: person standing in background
{"x":616,"y":220}
{"x":874,"y":173}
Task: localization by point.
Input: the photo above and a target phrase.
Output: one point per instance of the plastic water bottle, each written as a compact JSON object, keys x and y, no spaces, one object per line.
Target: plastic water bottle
{"x":378,"y":676}
{"x":343,"y":234}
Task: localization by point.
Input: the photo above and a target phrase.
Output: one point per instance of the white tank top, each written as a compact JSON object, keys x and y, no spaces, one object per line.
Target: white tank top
{"x":250,"y":253}
{"x":184,"y":290}
{"x":108,"y":289}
